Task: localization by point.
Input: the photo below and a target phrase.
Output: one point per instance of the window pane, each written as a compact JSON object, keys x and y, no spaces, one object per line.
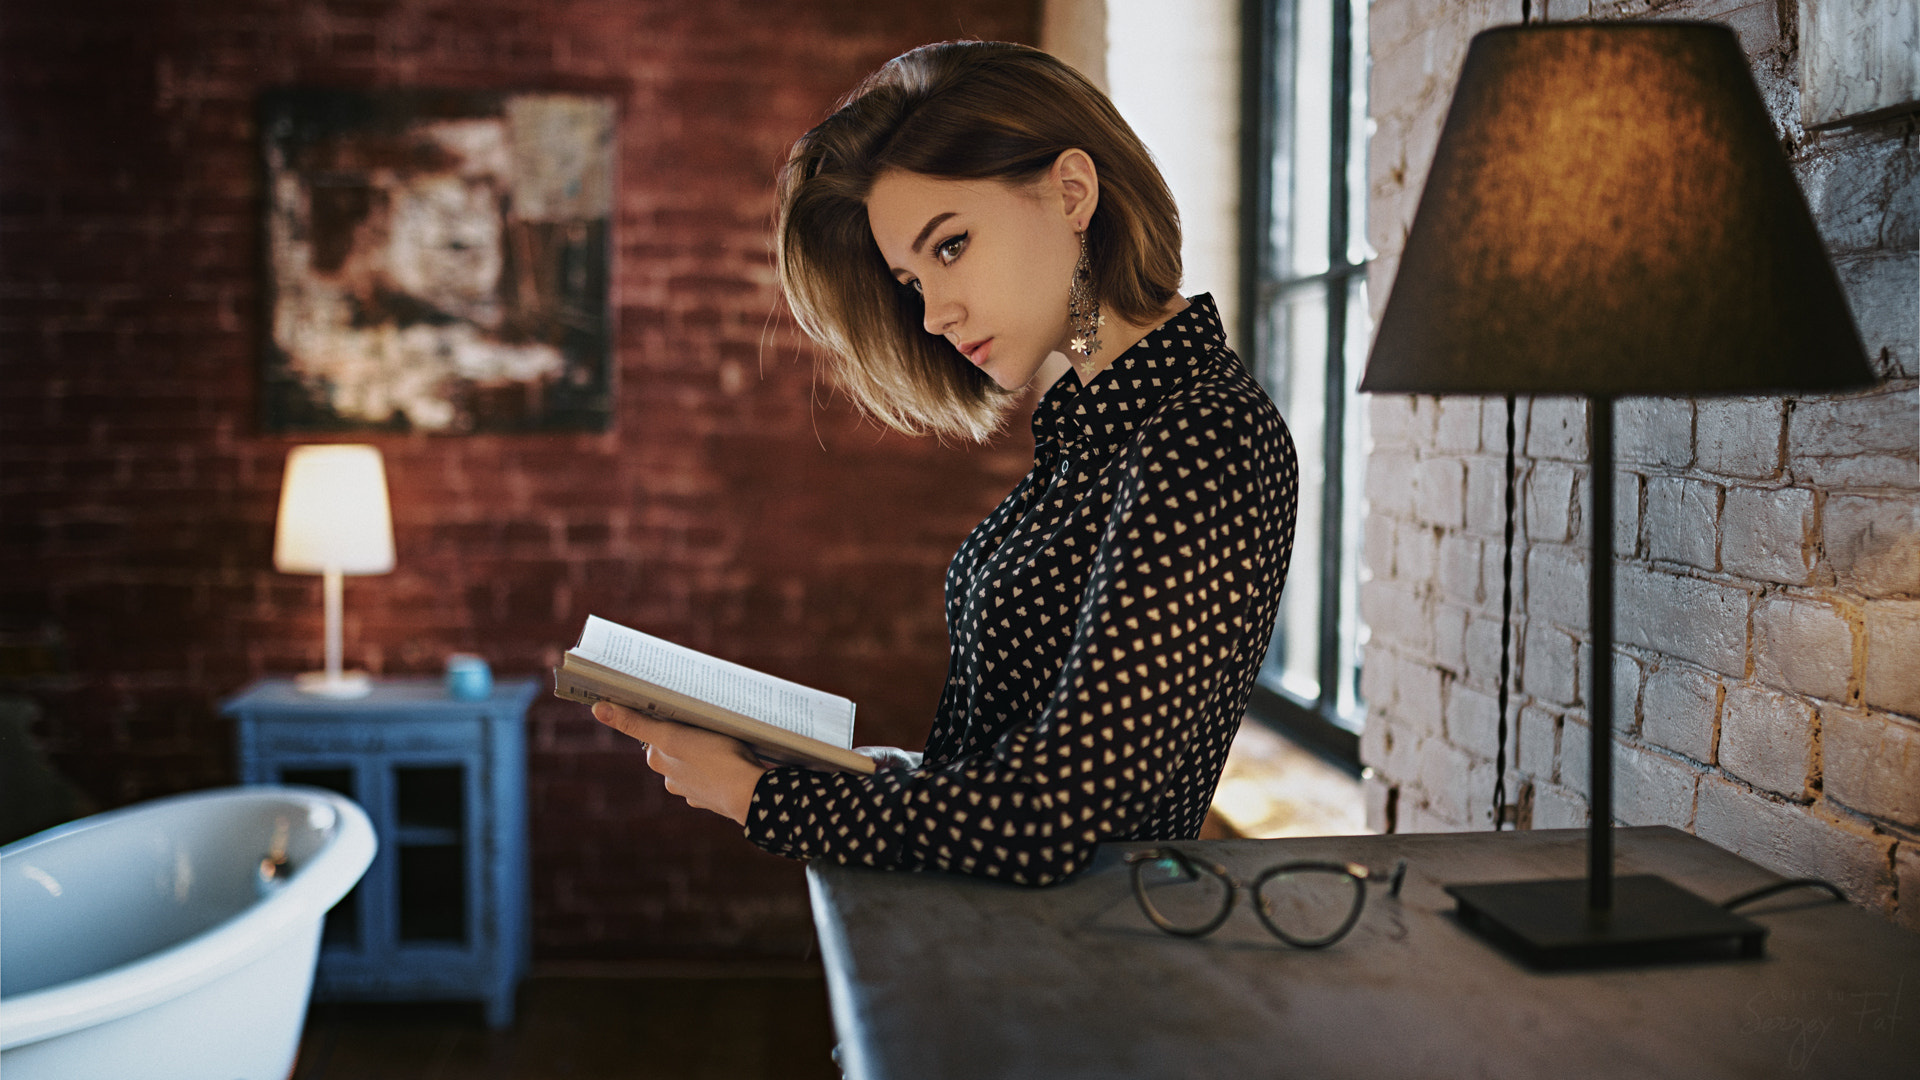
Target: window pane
{"x":1359,"y":130}
{"x":1299,"y":388}
{"x":1306,"y":142}
{"x":1317,"y":245}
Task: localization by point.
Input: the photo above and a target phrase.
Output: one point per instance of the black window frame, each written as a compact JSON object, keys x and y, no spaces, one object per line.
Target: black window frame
{"x":1269,"y":28}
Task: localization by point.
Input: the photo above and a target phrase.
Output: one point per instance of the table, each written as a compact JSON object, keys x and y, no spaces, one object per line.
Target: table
{"x":442,"y":912}
{"x":934,"y":975}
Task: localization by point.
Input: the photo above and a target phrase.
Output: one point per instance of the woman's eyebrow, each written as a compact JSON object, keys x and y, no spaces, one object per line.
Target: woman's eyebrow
{"x":927,"y":230}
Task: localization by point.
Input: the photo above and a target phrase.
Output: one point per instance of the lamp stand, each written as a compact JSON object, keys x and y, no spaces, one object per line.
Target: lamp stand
{"x":333,"y":682}
{"x":1603,"y":921}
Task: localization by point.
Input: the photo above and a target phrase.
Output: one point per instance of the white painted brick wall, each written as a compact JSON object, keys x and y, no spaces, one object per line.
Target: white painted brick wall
{"x":1473,"y":721}
{"x":1681,"y":707}
{"x":1450,"y":623}
{"x":1556,"y":807}
{"x":1576,"y":747}
{"x":1558,"y":429}
{"x":1390,"y":420}
{"x":1766,"y":739}
{"x":1767,"y":534}
{"x":1550,"y":670}
{"x":1537,"y":742}
{"x":1907,"y":878}
{"x":1627,"y":680}
{"x":1415,"y":550}
{"x":1683,"y":521}
{"x":1483,"y":650}
{"x":1461,"y":560}
{"x":1390,"y":483}
{"x":1654,"y":431}
{"x":1739,"y":436}
{"x":1693,"y":618}
{"x":1629,"y":493}
{"x":1486,"y":508}
{"x":1884,"y":289}
{"x":1872,"y":543}
{"x":1767,"y":605}
{"x":1550,"y":512}
{"x":1440,"y":492}
{"x":1457,"y":429}
{"x":1864,"y":441}
{"x":1803,"y":645}
{"x":1651,"y":788}
{"x":1796,"y":840}
{"x":1869,"y":764}
{"x":1892,"y":676}
{"x":1493,"y":425}
{"x":1557,"y":585}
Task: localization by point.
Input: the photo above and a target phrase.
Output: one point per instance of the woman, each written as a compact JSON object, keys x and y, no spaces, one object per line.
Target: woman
{"x":974,"y":221}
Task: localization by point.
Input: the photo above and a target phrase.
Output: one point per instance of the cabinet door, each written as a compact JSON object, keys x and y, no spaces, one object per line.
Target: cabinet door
{"x":350,"y":926}
{"x":436,"y":838}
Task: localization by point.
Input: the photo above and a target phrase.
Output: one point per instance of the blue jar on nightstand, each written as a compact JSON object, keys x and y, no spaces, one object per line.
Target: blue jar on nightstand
{"x":468,"y":678}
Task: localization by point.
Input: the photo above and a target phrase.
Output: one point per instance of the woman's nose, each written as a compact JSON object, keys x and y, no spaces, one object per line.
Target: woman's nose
{"x":942,"y":312}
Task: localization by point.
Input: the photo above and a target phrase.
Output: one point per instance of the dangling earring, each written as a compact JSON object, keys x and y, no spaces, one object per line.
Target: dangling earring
{"x":1083,"y":310}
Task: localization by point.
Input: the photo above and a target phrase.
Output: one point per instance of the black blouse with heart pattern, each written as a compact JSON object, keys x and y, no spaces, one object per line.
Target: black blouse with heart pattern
{"x":1106,"y":622}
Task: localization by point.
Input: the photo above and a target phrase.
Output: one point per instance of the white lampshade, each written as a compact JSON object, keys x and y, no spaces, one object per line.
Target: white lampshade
{"x":334,"y":513}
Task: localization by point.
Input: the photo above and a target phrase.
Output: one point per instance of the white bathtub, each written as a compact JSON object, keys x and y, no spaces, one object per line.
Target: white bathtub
{"x":142,"y":944}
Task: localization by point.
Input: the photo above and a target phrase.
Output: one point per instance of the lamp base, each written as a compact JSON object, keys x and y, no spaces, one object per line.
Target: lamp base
{"x":342,"y":684}
{"x":1547,"y":924}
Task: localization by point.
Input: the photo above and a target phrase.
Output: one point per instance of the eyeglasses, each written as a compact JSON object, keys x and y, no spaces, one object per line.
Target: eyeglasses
{"x":1309,"y":905}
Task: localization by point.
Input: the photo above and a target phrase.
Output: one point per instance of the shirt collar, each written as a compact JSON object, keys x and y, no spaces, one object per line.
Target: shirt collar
{"x":1104,"y":412}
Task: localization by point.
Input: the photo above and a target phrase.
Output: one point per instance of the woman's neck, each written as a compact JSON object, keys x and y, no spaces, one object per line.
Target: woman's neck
{"x":1118,"y":336}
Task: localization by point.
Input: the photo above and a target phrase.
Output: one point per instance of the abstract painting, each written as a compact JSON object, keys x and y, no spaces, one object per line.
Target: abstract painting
{"x":437,"y":261}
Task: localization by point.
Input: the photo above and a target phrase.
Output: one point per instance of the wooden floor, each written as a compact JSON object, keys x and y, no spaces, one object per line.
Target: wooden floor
{"x":587,"y":1028}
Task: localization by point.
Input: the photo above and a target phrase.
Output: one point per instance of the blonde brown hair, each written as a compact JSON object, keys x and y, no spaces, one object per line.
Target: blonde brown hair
{"x":956,"y":110}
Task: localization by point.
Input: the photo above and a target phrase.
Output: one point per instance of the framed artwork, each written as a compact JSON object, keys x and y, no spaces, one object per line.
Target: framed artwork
{"x":437,"y":261}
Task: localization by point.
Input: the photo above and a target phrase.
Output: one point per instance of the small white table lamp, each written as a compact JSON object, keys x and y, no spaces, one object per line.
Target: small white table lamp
{"x":334,"y":520}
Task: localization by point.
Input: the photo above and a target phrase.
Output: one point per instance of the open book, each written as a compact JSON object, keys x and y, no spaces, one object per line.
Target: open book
{"x":783,"y":721}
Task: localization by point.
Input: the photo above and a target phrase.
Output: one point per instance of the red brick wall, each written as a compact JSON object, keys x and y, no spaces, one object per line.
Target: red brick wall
{"x":733,"y":507}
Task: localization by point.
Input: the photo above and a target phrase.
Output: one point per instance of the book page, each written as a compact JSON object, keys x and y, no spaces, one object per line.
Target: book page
{"x":767,"y":698}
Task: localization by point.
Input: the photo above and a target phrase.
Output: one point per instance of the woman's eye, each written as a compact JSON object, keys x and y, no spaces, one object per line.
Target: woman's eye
{"x":950,"y":249}
{"x":915,"y":286}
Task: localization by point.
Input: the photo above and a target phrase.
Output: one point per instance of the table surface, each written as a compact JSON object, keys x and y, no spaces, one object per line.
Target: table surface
{"x":934,"y":975}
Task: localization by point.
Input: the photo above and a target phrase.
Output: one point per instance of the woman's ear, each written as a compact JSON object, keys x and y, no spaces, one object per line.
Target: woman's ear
{"x":1077,"y":183}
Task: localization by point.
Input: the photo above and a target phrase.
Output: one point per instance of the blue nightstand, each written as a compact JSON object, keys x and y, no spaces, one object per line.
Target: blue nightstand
{"x":443,"y":911}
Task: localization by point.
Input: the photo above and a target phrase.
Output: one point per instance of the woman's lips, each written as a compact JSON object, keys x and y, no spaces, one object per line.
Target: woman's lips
{"x":977,"y":351}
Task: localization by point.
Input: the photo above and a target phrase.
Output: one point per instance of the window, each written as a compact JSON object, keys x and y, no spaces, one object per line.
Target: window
{"x":1305,"y":306}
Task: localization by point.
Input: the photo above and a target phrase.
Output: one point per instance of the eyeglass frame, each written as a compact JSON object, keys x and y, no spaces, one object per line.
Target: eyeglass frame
{"x":1360,"y":875}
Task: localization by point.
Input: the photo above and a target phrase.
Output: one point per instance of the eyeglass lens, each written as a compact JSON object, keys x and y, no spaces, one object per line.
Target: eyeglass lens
{"x":1180,"y":896}
{"x":1309,"y":906}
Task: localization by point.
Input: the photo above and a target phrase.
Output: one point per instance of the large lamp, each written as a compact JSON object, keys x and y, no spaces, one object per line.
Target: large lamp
{"x":1609,"y":213}
{"x":334,"y":520}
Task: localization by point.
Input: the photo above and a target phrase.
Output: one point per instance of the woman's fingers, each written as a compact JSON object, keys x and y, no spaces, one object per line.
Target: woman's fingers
{"x":709,"y":770}
{"x":634,"y":725}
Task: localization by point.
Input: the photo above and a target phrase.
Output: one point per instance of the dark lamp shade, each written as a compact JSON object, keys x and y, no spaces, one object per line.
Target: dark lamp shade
{"x":1609,"y":212}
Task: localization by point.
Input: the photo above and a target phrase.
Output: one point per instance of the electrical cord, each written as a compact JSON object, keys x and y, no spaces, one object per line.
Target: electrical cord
{"x":1506,"y":640}
{"x":1782,"y":886}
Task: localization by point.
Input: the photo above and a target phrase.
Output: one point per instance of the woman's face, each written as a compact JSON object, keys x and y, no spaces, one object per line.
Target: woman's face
{"x":993,"y":261}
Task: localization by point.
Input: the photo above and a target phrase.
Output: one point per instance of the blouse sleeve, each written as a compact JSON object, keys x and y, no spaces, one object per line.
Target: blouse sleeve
{"x":1177,"y":611}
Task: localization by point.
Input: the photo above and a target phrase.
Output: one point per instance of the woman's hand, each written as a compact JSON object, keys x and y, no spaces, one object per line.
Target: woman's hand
{"x":891,"y":757}
{"x":709,"y":770}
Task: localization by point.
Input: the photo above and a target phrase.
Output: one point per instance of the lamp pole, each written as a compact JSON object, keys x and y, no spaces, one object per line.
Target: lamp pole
{"x":1600,"y":694}
{"x":332,"y":586}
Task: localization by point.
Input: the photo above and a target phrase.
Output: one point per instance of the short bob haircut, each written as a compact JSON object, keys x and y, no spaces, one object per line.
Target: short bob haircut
{"x":956,"y":110}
